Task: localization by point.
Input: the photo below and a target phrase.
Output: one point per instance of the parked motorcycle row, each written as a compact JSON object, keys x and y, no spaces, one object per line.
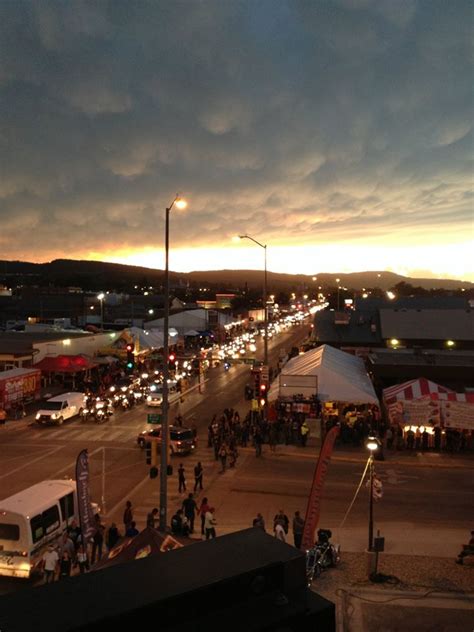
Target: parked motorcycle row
{"x":321,"y":556}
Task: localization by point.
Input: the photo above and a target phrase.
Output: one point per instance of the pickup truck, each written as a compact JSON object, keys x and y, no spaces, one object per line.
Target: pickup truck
{"x":59,"y":408}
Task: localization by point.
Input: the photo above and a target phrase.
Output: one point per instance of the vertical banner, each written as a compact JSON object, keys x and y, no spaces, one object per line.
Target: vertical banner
{"x":86,"y":517}
{"x":313,"y":508}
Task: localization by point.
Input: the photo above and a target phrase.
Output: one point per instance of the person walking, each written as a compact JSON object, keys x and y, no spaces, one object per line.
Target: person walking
{"x":279,"y":532}
{"x":112,"y":536}
{"x":97,"y":541}
{"x":128,"y":515}
{"x":181,"y":479}
{"x":283,"y":519}
{"x":151,"y":518}
{"x":203,"y":509}
{"x":82,"y":559}
{"x":190,"y":508}
{"x":258,"y":440}
{"x":65,"y":565}
{"x":304,"y":431}
{"x":223,"y":457}
{"x":198,"y":473}
{"x":259,"y":522}
{"x":50,"y":563}
{"x":132,"y":531}
{"x":210,"y":523}
{"x":298,"y":528}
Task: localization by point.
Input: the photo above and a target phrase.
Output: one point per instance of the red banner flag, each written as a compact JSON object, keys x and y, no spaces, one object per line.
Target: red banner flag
{"x":313,"y":508}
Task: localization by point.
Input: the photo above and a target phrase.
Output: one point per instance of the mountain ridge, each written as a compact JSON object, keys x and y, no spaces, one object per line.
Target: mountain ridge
{"x":105,"y":273}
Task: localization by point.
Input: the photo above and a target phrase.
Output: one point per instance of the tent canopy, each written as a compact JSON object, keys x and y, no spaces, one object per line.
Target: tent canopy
{"x":65,"y":364}
{"x":413,"y":389}
{"x":341,"y":377}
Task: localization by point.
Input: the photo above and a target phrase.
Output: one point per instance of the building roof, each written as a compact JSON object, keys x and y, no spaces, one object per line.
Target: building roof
{"x":427,"y":324}
{"x":362,"y":328}
{"x":416,"y":357}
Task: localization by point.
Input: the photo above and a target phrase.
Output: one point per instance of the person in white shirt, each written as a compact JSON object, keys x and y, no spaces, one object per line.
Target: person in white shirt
{"x":209,"y":523}
{"x":50,"y":563}
{"x":280,"y":532}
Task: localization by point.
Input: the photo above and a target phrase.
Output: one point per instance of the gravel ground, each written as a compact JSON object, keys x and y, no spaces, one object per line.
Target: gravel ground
{"x":416,"y":573}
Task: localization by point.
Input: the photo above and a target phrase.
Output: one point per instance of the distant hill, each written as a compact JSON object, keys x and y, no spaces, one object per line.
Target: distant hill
{"x":102,"y":275}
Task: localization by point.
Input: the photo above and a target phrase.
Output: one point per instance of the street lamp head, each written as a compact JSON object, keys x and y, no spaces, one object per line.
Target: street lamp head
{"x":101,"y":296}
{"x":372,"y":444}
{"x":180,"y":203}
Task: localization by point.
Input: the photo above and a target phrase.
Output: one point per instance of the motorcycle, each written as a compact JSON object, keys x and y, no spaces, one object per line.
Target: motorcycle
{"x":322,"y":555}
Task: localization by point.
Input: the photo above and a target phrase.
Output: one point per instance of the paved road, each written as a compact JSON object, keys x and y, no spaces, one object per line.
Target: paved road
{"x":31,"y":453}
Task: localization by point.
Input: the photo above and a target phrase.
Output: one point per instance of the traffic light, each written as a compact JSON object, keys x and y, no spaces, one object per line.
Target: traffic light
{"x":257,"y":381}
{"x":153,"y":471}
{"x":171,"y":360}
{"x":130,"y":357}
{"x":263,"y":394}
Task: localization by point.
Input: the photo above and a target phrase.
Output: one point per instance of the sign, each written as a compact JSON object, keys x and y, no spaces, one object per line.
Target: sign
{"x":265,"y":373}
{"x":154,"y":418}
{"x":86,"y":517}
{"x":459,"y":415}
{"x":313,"y":508}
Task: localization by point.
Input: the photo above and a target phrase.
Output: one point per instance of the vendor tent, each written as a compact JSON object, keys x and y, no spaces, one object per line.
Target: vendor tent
{"x":414,"y":389}
{"x":422,"y":402}
{"x":340,"y":377}
{"x":65,"y":364}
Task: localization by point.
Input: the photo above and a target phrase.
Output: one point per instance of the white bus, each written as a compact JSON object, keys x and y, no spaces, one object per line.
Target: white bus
{"x":31,"y":520}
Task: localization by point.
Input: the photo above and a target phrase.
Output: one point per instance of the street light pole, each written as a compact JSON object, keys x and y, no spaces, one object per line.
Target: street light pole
{"x":101,"y":297}
{"x":265,"y":307}
{"x":165,"y":418}
{"x":372,"y":444}
{"x":371,"y":503}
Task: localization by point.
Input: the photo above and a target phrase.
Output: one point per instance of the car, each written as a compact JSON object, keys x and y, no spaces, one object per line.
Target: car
{"x":154,"y":398}
{"x":182,"y":440}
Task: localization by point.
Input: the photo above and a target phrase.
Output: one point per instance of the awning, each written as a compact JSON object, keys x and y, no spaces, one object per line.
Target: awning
{"x":65,"y":364}
{"x":192,"y":332}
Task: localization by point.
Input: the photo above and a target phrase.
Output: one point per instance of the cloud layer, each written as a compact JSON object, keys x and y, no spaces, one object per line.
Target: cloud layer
{"x":301,"y":122}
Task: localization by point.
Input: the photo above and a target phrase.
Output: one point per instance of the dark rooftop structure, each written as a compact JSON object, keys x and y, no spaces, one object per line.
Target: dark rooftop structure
{"x":245,"y":581}
{"x":454,"y":369}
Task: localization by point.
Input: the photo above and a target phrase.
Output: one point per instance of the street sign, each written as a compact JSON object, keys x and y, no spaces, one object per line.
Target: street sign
{"x":265,"y":373}
{"x":154,"y":418}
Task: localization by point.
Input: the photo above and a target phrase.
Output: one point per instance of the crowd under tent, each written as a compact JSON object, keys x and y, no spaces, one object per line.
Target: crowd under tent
{"x":330,"y":374}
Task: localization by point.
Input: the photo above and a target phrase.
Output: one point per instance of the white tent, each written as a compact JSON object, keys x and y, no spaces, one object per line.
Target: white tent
{"x":338,"y":376}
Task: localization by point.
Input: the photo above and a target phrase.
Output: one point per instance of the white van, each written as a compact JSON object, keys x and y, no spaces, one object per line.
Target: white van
{"x":60,"y":407}
{"x":31,"y":520}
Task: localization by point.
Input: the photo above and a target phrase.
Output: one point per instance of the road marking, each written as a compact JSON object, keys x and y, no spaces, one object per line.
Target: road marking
{"x":43,"y":456}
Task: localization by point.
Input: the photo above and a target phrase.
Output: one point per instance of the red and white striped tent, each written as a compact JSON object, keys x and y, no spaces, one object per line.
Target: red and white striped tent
{"x":415,"y":389}
{"x":436,"y":404}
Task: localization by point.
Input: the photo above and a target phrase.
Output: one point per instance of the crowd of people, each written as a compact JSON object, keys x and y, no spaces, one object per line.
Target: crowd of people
{"x":228,"y":432}
{"x":281,"y":526}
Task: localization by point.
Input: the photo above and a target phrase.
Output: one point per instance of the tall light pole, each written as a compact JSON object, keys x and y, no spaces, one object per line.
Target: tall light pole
{"x":373,"y":445}
{"x":265,"y":324}
{"x":338,"y":288}
{"x":179,"y":203}
{"x":101,"y":297}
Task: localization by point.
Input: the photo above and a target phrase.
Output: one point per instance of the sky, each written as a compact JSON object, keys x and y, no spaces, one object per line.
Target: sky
{"x":336,"y":132}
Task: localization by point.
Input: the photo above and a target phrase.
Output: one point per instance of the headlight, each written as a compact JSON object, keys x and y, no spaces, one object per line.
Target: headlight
{"x":38,"y":415}
{"x":53,"y":416}
{"x":148,"y":399}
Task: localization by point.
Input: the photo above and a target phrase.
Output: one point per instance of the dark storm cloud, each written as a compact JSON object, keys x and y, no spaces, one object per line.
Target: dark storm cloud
{"x":296,"y":119}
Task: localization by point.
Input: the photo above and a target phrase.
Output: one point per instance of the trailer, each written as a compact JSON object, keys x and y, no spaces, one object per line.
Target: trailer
{"x":19,"y":386}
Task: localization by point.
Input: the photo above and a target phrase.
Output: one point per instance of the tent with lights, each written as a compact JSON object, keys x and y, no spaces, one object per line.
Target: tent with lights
{"x":331,"y":374}
{"x":422,"y":402}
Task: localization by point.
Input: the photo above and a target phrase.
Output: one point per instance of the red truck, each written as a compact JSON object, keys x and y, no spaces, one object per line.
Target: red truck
{"x":19,"y":386}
